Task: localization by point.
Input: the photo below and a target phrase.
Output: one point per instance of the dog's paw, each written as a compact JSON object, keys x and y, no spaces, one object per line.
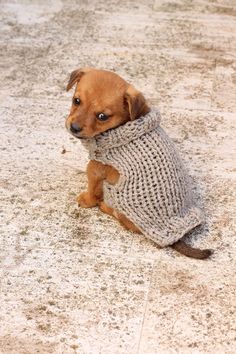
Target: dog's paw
{"x":84,"y":200}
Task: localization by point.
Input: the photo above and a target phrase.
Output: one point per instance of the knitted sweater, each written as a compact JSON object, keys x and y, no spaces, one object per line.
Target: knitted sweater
{"x":153,"y":190}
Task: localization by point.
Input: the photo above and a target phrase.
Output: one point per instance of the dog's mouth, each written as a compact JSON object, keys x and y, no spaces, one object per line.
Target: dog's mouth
{"x":80,"y":137}
{"x":77,"y":136}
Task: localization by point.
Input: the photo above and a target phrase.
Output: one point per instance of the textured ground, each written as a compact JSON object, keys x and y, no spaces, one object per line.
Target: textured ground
{"x":72,"y":280}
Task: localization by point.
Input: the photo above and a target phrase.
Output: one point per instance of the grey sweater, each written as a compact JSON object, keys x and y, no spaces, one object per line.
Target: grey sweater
{"x":153,"y":190}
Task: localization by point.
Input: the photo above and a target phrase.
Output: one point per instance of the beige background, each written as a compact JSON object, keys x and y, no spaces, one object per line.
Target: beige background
{"x":72,"y":280}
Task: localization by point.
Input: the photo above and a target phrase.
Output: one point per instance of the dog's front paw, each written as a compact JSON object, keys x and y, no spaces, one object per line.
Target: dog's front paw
{"x":85,"y":200}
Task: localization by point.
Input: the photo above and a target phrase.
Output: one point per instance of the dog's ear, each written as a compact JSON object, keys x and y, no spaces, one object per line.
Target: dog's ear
{"x":76,"y":75}
{"x":135,"y":103}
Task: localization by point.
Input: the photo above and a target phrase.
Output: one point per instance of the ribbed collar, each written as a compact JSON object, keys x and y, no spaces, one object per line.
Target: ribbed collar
{"x":126,"y":133}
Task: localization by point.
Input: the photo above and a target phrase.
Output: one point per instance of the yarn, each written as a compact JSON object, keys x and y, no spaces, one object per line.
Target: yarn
{"x":153,"y":190}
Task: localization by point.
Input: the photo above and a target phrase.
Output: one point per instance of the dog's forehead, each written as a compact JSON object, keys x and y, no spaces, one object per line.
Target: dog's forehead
{"x":102,"y":81}
{"x":101,"y":91}
{"x":107,"y":103}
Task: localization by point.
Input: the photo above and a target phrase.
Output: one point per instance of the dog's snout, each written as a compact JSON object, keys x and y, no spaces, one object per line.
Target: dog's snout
{"x":75,"y":128}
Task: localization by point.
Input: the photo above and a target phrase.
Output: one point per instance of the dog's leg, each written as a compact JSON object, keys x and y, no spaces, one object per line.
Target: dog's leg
{"x":106,"y":209}
{"x":96,"y":174}
{"x":112,"y":177}
{"x":123,"y":220}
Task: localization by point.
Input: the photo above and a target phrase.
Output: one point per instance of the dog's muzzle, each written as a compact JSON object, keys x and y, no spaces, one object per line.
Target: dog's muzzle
{"x":75,"y":128}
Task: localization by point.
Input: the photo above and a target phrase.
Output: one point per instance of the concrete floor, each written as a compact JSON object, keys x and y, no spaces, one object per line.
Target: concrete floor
{"x":72,"y":280}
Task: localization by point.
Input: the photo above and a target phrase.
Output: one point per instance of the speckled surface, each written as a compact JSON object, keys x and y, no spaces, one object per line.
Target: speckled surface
{"x":72,"y":280}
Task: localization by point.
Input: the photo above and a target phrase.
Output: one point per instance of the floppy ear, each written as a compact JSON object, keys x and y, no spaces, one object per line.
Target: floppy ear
{"x":76,"y":75}
{"x":137,"y":105}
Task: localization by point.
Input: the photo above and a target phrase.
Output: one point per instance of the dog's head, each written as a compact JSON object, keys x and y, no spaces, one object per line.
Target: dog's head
{"x":102,"y":101}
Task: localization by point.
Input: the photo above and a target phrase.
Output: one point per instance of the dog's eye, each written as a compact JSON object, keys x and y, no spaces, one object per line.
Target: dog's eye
{"x":102,"y":116}
{"x":76,"y":101}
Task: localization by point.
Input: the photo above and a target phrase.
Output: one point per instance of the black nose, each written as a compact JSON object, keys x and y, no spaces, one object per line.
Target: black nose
{"x":75,"y":128}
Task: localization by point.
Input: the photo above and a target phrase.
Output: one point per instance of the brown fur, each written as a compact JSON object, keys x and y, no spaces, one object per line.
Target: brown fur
{"x":105,"y":92}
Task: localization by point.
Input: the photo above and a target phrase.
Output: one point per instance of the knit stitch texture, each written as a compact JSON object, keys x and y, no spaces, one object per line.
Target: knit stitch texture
{"x":153,"y":190}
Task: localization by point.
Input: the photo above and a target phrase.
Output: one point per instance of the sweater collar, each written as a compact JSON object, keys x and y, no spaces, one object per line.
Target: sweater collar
{"x":124,"y":134}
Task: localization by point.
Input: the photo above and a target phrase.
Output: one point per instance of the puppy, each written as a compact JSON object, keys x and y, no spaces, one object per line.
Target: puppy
{"x":106,"y":111}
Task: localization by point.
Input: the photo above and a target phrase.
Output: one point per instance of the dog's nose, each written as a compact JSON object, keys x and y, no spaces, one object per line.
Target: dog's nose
{"x":74,"y":127}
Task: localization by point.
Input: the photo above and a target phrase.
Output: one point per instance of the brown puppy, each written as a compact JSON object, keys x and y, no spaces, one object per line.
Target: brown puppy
{"x":103,"y":101}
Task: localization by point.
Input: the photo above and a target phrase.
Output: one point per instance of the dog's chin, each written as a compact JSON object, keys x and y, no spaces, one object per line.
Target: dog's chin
{"x":76,"y":136}
{"x":85,"y":137}
{"x":79,"y":137}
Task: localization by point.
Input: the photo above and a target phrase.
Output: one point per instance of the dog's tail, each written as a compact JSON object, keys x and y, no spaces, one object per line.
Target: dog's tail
{"x":189,"y":251}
